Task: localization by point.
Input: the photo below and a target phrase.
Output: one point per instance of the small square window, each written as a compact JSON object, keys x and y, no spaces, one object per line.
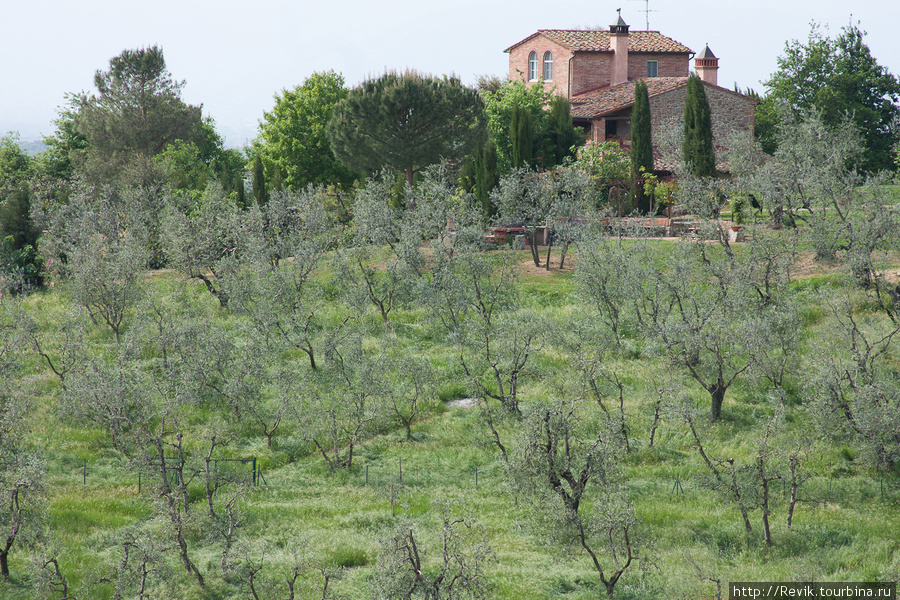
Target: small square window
{"x":652,"y":68}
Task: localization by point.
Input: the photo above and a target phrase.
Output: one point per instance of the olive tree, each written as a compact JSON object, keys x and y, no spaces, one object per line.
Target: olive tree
{"x":278,"y":288}
{"x":811,"y":183}
{"x":106,"y":277}
{"x":857,"y":396}
{"x":522,"y":200}
{"x":283,"y":568}
{"x":342,"y":403}
{"x":208,"y":241}
{"x":436,"y":214}
{"x":22,"y":470}
{"x":414,"y":565}
{"x":567,"y":463}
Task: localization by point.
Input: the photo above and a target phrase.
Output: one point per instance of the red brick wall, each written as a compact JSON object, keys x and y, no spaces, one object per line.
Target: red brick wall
{"x":670,"y":65}
{"x":591,"y":70}
{"x":518,"y":63}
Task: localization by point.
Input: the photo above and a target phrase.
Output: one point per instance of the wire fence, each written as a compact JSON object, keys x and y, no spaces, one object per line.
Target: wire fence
{"x":382,"y":474}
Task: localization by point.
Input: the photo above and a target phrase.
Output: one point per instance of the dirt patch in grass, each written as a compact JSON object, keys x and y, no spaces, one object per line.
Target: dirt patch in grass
{"x":526,"y":264}
{"x":806,"y":265}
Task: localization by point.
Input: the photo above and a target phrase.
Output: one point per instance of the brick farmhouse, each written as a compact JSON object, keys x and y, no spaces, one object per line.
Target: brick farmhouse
{"x":596,"y":70}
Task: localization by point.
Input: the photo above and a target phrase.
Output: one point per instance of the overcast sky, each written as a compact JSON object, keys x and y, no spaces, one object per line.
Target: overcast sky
{"x":236,"y":56}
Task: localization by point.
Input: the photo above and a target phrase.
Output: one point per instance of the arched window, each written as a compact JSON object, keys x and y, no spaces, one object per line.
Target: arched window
{"x":532,"y":66}
{"x":548,"y":66}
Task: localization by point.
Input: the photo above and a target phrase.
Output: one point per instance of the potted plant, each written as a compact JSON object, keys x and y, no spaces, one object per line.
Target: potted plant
{"x":738,"y":206}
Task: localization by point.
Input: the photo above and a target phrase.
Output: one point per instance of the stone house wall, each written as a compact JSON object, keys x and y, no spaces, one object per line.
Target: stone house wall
{"x":731,"y":113}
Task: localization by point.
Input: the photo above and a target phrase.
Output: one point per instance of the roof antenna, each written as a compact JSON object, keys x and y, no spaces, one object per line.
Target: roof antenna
{"x":647,"y":10}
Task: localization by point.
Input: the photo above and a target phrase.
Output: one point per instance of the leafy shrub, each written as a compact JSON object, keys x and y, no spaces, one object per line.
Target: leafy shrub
{"x":20,"y":269}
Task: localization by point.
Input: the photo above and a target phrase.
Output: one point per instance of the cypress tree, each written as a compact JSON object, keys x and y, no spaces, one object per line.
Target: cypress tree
{"x":398,"y":192}
{"x":486,"y":176}
{"x":521,"y":134}
{"x":260,"y":193}
{"x":15,"y":217}
{"x":561,"y":132}
{"x":698,"y":145}
{"x":641,"y":145}
{"x":240,"y":190}
{"x":467,"y":174}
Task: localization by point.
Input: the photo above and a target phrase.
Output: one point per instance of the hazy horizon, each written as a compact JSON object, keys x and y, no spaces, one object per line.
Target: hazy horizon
{"x":235,"y":57}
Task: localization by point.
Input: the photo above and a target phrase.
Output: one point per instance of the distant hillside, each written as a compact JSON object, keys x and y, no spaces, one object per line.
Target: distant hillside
{"x":33,"y":148}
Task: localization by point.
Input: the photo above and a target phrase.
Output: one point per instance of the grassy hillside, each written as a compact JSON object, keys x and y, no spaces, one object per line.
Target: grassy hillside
{"x":323,"y":524}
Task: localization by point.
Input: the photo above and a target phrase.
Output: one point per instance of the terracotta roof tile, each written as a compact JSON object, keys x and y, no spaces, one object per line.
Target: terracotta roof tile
{"x":616,"y":98}
{"x":597,"y":40}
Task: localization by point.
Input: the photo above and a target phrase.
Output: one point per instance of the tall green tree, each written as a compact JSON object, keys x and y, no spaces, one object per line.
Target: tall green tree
{"x":15,"y":195}
{"x":522,"y":137}
{"x":562,"y":135}
{"x":136,"y":112}
{"x":15,"y":217}
{"x":487,"y":176}
{"x":641,"y":145}
{"x":14,"y":161}
{"x":838,"y":77}
{"x":499,"y":107}
{"x":405,"y":121}
{"x":19,"y":264}
{"x":293,"y":139}
{"x":699,"y":154}
{"x":258,"y":181}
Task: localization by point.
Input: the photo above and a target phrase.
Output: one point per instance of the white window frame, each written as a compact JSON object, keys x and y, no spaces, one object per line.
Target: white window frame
{"x":548,"y":66}
{"x":532,"y":66}
{"x":652,"y":68}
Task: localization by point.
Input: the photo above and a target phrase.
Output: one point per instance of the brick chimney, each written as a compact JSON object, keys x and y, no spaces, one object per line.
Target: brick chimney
{"x":618,"y":40}
{"x":707,"y":65}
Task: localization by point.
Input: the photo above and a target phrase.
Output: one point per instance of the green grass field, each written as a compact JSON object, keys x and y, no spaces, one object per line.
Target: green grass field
{"x":94,"y":497}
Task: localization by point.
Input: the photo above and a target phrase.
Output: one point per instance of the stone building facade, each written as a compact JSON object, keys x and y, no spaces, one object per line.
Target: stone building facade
{"x":596,"y":71}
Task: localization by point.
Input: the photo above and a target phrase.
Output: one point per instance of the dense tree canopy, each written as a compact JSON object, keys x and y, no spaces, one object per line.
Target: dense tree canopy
{"x":405,"y":121}
{"x":561,"y":135}
{"x":136,"y":112}
{"x":839,"y":77}
{"x":18,"y":233}
{"x":292,"y":137}
{"x":14,"y":161}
